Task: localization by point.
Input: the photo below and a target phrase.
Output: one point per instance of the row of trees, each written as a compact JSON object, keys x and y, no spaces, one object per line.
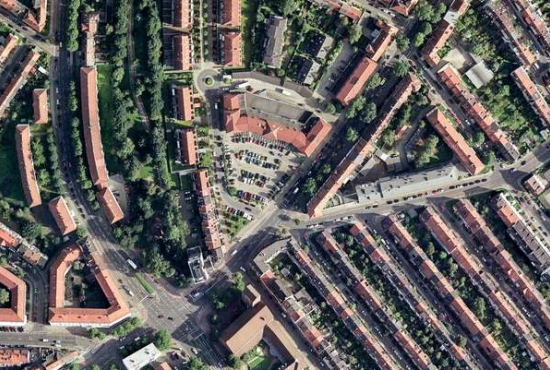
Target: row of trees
{"x":429,"y":15}
{"x":46,"y":163}
{"x":72,"y":25}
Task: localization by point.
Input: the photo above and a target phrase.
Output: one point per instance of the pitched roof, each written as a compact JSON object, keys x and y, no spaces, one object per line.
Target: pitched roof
{"x":26,"y":165}
{"x":232,"y":49}
{"x":40,"y":105}
{"x":207,"y":211}
{"x":91,"y":127}
{"x":14,"y":357}
{"x":110,"y":205}
{"x":7,"y":237}
{"x":184,"y":100}
{"x":273,"y":51}
{"x":232,"y":13}
{"x":378,"y":47}
{"x":182,"y":52}
{"x":182,"y":14}
{"x":532,"y":94}
{"x":6,"y":49}
{"x":188,"y":149}
{"x":117,"y":310}
{"x":18,"y":80}
{"x":455,"y":141}
{"x":63,"y":218}
{"x":15,"y":314}
{"x":357,"y":80}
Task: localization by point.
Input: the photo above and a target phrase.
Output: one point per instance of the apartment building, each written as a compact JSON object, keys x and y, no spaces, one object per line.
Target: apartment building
{"x":91,"y":127}
{"x":532,"y":94}
{"x":110,"y":206}
{"x":451,"y":79}
{"x":89,"y":28}
{"x":455,"y":141}
{"x":26,"y":165}
{"x":15,"y":314}
{"x":499,"y":12}
{"x":451,"y":298}
{"x":534,"y":20}
{"x":536,"y":184}
{"x":357,"y":80}
{"x":519,"y":230}
{"x":10,"y":43}
{"x":14,"y":241}
{"x":230,"y":13}
{"x":364,"y":147}
{"x":443,"y":32}
{"x":59,"y":315}
{"x":19,"y":79}
{"x":275,"y":35}
{"x":377,"y":48}
{"x":62,"y":215}
{"x":237,"y":118}
{"x":40,"y":106}
{"x":209,"y":222}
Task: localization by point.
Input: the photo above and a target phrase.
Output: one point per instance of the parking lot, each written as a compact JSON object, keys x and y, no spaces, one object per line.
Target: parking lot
{"x":257,"y":167}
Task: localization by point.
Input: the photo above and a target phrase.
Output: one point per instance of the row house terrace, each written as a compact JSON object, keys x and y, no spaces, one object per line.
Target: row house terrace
{"x":536,"y":249}
{"x":14,"y":242}
{"x":408,"y":292}
{"x":486,"y":282}
{"x":10,"y":42}
{"x":207,"y":210}
{"x":443,"y":32}
{"x":450,"y":296}
{"x":347,"y":167}
{"x":342,"y":7}
{"x":481,"y":231}
{"x":403,"y":7}
{"x":26,"y":165}
{"x":342,"y":310}
{"x":365,"y":291}
{"x":19,"y":79}
{"x":298,"y":306}
{"x":451,"y":79}
{"x":532,"y":94}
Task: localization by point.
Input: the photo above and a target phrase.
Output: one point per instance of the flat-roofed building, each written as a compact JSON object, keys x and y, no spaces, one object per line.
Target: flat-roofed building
{"x":59,"y":315}
{"x":26,"y":165}
{"x":110,"y":205}
{"x":40,"y":105}
{"x":92,"y":128}
{"x":139,"y":359}
{"x":455,"y":141}
{"x":62,"y":215}
{"x":10,"y":43}
{"x":15,"y":314}
{"x":357,"y":80}
{"x":273,"y":52}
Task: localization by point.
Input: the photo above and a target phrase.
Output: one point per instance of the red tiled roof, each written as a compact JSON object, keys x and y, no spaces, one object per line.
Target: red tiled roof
{"x":163,"y":366}
{"x":14,"y":357}
{"x":305,"y":143}
{"x":188,"y":149}
{"x":378,"y":47}
{"x":362,"y":148}
{"x":185,"y":106}
{"x":182,"y":14}
{"x":455,"y":141}
{"x":110,"y":205}
{"x":6,"y":49}
{"x":532,"y":94}
{"x":62,"y":215}
{"x":355,"y":82}
{"x":15,"y":314}
{"x":207,"y":211}
{"x":403,"y":7}
{"x":91,"y":126}
{"x":232,"y":13}
{"x":232,"y":49}
{"x":117,"y":310}
{"x":26,"y":166}
{"x":182,"y":52}
{"x":430,"y":52}
{"x":40,"y":105}
{"x":7,"y":239}
{"x":18,"y":81}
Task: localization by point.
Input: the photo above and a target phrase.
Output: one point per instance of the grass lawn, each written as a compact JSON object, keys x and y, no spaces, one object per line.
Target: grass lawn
{"x":259,"y":363}
{"x":10,"y":181}
{"x":105,"y":91}
{"x":145,"y":284}
{"x":249,"y":11}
